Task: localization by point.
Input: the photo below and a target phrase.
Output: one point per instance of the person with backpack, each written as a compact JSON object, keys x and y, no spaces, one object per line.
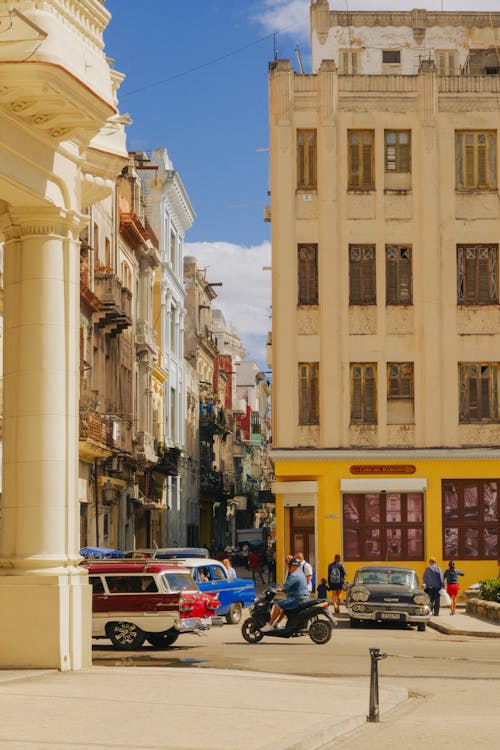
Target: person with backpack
{"x":307,"y":570}
{"x":336,"y":578}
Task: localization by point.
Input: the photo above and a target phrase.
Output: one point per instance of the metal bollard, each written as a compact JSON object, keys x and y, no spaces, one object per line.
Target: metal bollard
{"x":375,"y":657}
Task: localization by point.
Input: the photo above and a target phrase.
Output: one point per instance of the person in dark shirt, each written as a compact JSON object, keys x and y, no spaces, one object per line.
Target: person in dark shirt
{"x":322,"y":590}
{"x":433,"y":583}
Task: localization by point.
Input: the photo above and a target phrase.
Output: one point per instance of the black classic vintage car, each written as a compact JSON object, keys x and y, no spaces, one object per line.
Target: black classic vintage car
{"x":384,"y":593}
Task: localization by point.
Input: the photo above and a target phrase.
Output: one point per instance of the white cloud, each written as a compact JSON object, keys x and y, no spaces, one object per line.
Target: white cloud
{"x":245,"y":294}
{"x":286,"y":17}
{"x":291,"y":17}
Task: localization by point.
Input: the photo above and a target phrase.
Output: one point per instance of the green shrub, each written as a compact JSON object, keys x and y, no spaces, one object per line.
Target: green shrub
{"x":490,"y":589}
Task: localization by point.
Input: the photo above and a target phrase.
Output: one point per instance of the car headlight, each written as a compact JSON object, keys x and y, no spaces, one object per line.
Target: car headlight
{"x":421,"y":599}
{"x":359,"y":594}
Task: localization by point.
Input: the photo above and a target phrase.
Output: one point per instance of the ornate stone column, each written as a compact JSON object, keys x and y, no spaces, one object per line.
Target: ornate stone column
{"x":41,"y":586}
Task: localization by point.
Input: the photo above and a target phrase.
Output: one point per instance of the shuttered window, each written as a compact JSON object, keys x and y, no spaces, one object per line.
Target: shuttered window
{"x":476,"y":159}
{"x":477,"y":274}
{"x":400,"y":380}
{"x":397,"y":151}
{"x":349,"y":61}
{"x":308,"y":393}
{"x":447,"y":62}
{"x":478,"y":392}
{"x":398,"y":275}
{"x":362,"y":281}
{"x":306,"y":160}
{"x":363,"y":394}
{"x":307,"y":264}
{"x":361,"y":159}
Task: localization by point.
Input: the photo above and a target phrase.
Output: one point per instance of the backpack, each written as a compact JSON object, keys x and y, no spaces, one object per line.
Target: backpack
{"x":334,"y":577}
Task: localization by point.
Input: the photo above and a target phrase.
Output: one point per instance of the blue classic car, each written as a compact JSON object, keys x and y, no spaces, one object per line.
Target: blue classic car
{"x":211,"y":576}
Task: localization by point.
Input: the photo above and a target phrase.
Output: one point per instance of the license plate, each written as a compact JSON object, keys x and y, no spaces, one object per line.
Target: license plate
{"x":389,"y":616}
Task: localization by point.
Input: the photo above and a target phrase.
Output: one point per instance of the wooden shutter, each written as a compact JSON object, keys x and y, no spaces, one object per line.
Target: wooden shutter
{"x":470,"y":275}
{"x":308,"y":274}
{"x":483,"y":275}
{"x":357,"y":394}
{"x":469,"y":161}
{"x":354,"y":160}
{"x":367,"y":164}
{"x":355,"y":288}
{"x":404,"y":152}
{"x":368,"y":276}
{"x":482,"y":161}
{"x":485,"y":392}
{"x":391,"y":276}
{"x":404,"y":260}
{"x":370,"y":395}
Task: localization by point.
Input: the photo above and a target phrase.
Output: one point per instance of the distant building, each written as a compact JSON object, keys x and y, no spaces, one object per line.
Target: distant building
{"x":385,"y":239}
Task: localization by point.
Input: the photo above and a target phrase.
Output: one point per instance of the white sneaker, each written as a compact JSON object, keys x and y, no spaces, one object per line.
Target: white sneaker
{"x":267,"y":627}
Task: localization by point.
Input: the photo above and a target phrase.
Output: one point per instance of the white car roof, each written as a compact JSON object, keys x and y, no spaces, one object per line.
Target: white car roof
{"x":196,"y":562}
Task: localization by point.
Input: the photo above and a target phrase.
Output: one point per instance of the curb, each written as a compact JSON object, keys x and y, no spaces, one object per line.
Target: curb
{"x":462,"y":631}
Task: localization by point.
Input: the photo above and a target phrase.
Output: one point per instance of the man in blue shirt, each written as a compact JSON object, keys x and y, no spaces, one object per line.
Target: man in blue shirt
{"x":433,"y":583}
{"x":295,"y":588}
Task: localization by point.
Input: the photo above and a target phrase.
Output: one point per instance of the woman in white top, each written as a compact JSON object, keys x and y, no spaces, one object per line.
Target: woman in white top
{"x":231,"y":573}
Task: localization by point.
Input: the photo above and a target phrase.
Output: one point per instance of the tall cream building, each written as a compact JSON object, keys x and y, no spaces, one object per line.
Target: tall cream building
{"x":386,"y":315}
{"x":61,"y":146}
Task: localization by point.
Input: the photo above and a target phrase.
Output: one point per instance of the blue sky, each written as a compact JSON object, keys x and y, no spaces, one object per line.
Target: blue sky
{"x":196,"y":84}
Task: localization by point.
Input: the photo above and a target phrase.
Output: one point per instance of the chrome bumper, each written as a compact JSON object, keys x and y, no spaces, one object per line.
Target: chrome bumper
{"x":194,"y":624}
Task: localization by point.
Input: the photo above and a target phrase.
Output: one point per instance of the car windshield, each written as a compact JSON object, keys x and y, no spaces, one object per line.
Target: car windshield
{"x":384,"y":577}
{"x":179,"y":582}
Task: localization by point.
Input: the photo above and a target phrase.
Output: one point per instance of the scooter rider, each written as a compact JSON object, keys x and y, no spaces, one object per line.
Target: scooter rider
{"x":295,"y":587}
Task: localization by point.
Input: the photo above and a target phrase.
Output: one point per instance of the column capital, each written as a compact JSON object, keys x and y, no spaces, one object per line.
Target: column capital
{"x":22,"y":222}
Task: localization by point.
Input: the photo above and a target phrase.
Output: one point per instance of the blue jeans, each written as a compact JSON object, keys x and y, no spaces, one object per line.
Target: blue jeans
{"x":433,"y":595}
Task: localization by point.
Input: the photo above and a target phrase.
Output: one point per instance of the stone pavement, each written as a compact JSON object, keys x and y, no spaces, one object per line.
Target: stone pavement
{"x":159,"y":708}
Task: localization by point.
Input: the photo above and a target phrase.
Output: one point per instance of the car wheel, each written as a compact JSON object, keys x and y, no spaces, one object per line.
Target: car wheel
{"x":421,"y":627}
{"x":125,"y":635}
{"x":233,"y":617}
{"x":353,"y":623}
{"x":320,"y":631}
{"x":163,"y":640}
{"x":251,"y":631}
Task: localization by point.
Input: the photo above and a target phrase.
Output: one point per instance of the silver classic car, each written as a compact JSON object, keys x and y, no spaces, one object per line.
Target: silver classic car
{"x":384,"y":593}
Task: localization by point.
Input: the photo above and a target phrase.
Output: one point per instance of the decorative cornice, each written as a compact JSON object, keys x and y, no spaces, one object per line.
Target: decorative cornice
{"x":414,"y":18}
{"x":389,"y":455}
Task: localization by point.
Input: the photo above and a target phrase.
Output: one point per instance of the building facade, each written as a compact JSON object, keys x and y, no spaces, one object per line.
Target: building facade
{"x":385,"y":340}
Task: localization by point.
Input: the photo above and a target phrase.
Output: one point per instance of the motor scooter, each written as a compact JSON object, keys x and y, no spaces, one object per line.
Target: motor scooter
{"x":311,"y":618}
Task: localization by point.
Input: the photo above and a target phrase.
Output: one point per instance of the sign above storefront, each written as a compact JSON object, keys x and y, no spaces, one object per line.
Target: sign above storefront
{"x":364,"y":469}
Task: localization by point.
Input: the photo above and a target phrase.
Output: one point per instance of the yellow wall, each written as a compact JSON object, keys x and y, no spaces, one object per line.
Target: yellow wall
{"x":329,"y":529}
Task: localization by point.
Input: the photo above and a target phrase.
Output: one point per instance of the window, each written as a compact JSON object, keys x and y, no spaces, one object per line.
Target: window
{"x":361,"y":159}
{"x":470,"y":519}
{"x":397,"y":151}
{"x":309,"y":393}
{"x":398,"y":276}
{"x":363,"y":394}
{"x":307,"y":274}
{"x":362,"y":286}
{"x":476,"y":159}
{"x":391,"y":57}
{"x":306,"y":159}
{"x":478,"y":392}
{"x":447,"y":62}
{"x":477,"y":275}
{"x":383,"y":526}
{"x":400,"y":393}
{"x":348,"y":61}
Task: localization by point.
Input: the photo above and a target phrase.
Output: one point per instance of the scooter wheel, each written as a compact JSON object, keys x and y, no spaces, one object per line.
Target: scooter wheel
{"x":320,"y":631}
{"x":251,"y":631}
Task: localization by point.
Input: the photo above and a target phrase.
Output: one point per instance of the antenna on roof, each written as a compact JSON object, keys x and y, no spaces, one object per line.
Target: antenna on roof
{"x":275,"y":48}
{"x":299,"y":59}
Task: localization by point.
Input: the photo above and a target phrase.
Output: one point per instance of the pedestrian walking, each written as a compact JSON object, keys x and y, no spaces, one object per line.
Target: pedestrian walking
{"x":336,"y":577}
{"x":433,"y":583}
{"x":306,"y":569}
{"x":255,"y":565}
{"x":451,"y":580}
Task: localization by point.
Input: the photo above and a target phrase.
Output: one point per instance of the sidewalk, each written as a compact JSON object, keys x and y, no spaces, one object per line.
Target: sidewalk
{"x":163,"y":708}
{"x":170,"y":709}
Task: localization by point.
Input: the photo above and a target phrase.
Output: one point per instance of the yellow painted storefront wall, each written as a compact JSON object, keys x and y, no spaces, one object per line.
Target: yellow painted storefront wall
{"x":329,"y":474}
